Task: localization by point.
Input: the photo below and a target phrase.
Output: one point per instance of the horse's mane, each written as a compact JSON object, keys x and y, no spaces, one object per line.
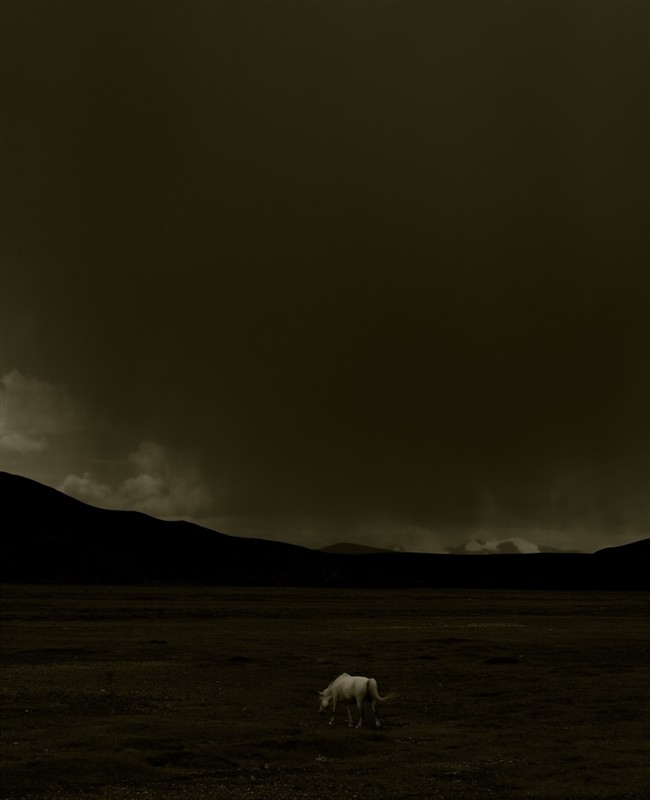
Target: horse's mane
{"x":342,"y":675}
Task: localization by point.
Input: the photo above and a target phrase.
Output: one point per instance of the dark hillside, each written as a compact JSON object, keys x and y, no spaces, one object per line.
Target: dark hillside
{"x":48,"y":537}
{"x":634,"y":550}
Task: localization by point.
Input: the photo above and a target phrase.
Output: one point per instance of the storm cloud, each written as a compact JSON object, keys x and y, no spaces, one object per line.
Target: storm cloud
{"x":379,"y":270}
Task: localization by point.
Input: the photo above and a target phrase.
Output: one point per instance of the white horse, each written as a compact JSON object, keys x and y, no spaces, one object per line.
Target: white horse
{"x":350,"y":689}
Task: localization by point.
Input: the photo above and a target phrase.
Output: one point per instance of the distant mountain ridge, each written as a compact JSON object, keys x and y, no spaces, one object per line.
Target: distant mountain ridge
{"x":49,"y":537}
{"x":352,"y":548}
{"x":514,"y":544}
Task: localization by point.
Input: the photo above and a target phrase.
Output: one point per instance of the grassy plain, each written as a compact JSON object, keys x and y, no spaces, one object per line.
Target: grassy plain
{"x":175,"y":693}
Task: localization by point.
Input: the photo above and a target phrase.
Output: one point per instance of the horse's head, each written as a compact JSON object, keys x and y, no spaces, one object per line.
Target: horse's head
{"x":325,"y":700}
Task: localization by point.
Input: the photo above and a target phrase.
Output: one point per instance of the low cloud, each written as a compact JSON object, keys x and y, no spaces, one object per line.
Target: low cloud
{"x":45,"y":430}
{"x":33,"y":413}
{"x":163,"y":483}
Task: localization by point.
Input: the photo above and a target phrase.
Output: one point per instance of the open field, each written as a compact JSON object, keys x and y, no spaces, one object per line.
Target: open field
{"x":193,"y":693}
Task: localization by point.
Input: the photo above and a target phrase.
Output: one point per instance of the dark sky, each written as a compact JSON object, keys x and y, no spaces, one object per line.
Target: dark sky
{"x":321,"y":271}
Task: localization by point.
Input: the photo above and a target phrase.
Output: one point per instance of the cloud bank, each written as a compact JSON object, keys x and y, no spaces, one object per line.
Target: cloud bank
{"x":162,"y":484}
{"x":50,"y":435}
{"x":41,"y":425}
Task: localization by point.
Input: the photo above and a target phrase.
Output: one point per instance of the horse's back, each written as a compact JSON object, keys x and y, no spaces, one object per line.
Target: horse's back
{"x":349,"y":686}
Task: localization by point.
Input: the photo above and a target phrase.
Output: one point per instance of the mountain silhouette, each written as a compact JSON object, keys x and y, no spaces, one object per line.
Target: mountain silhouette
{"x":49,"y":537}
{"x":353,"y":549}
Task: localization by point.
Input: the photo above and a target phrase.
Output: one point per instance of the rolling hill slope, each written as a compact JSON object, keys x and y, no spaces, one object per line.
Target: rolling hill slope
{"x":50,"y":537}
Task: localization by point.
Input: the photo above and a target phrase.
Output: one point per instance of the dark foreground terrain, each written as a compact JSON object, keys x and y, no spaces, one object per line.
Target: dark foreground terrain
{"x":195,"y":693}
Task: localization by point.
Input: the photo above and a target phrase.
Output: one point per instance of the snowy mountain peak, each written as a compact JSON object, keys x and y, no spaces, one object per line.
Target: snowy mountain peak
{"x":514,"y":544}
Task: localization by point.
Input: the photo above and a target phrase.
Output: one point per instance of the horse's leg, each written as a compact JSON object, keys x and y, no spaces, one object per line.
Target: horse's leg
{"x":361,"y":712}
{"x":374,"y":710}
{"x":333,"y":712}
{"x":350,"y":714}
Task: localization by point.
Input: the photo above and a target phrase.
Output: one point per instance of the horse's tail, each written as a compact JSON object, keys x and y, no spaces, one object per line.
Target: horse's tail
{"x":374,"y":693}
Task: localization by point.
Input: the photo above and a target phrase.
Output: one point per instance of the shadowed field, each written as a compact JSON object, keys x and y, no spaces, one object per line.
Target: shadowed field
{"x":157,"y":692}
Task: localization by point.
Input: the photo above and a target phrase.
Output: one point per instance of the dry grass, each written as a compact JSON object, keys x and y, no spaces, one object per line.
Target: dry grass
{"x":198,"y":693}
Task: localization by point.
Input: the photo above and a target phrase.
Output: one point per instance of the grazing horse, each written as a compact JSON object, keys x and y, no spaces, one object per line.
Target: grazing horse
{"x":353,"y":689}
